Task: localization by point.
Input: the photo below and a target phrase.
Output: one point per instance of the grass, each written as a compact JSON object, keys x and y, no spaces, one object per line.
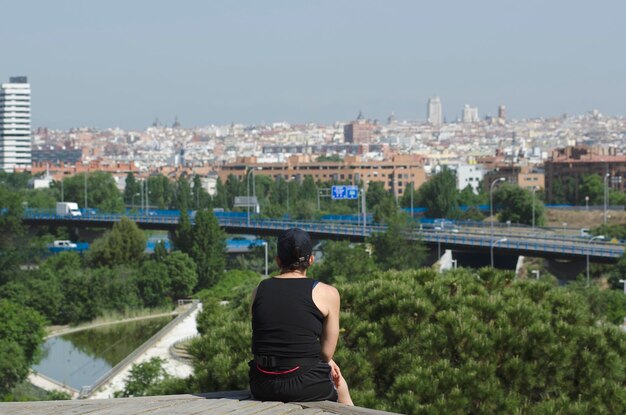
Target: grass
{"x":583,"y":218}
{"x":113,"y":317}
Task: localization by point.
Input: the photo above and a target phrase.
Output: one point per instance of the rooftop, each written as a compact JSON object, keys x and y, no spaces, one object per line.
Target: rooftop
{"x":233,"y":403}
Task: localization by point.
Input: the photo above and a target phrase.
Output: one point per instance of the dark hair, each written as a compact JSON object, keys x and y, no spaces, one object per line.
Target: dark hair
{"x":294,"y":249}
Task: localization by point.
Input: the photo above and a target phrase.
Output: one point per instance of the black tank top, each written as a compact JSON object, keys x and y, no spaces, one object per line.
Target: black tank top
{"x":285,"y":321}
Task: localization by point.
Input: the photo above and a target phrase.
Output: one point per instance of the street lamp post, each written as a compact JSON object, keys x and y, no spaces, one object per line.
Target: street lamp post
{"x":265,"y":245}
{"x":85,"y":185}
{"x":606,"y":193}
{"x":599,"y":237}
{"x":586,"y":202}
{"x":248,"y":192}
{"x":494,"y":244}
{"x":147,"y":200}
{"x":132,"y":201}
{"x":411,"y":200}
{"x":438,"y":246}
{"x":499,"y":179}
{"x":534,"y":190}
{"x":364,"y":209}
{"x":318,"y":198}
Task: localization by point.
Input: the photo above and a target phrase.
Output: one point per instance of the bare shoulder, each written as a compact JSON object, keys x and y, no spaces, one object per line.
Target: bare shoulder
{"x":328,"y":291}
{"x":326,"y":298}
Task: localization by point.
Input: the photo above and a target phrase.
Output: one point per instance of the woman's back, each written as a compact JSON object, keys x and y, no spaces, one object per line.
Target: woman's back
{"x":285,"y":320}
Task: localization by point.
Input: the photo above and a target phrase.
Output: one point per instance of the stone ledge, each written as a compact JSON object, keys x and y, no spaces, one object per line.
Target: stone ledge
{"x":229,"y":402}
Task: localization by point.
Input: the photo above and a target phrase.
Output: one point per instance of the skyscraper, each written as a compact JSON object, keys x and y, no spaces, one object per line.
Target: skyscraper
{"x":502,"y":112}
{"x":435,"y":113}
{"x":470,"y":114}
{"x":15,"y":135}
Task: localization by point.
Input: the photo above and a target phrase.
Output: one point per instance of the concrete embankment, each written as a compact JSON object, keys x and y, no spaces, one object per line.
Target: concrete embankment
{"x":184,"y":326}
{"x":50,"y":385}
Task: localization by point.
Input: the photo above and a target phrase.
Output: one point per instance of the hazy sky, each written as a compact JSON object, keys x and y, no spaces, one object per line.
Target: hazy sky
{"x":123,"y":63}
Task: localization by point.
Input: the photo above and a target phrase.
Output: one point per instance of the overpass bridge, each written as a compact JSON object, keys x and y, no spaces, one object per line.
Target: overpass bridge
{"x":533,"y":243}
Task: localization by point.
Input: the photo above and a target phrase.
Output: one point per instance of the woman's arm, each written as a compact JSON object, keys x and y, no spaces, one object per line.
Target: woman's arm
{"x":253,"y":297}
{"x":329,"y":299}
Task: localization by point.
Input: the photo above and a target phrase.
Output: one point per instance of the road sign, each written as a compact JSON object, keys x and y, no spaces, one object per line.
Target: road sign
{"x":344,"y":192}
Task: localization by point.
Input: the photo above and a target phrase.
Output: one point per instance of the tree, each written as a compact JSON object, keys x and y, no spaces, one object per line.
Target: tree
{"x":40,"y":290}
{"x":142,"y":377}
{"x":221,"y":354}
{"x":466,"y":343}
{"x":440,"y":196}
{"x":208,"y":249}
{"x":343,"y":260}
{"x":102,"y":192}
{"x":618,"y":272}
{"x":375,"y":194}
{"x":332,"y":158}
{"x":15,"y":180}
{"x":221,"y":197}
{"x":11,"y":232}
{"x":160,"y":251}
{"x":386,"y":210}
{"x":564,"y":190}
{"x":160,"y":191}
{"x":153,"y":284}
{"x":234,"y":187}
{"x":21,"y":334}
{"x":183,"y":194}
{"x":124,"y":244}
{"x":593,"y":187}
{"x":468,"y":198}
{"x":308,"y":189}
{"x":181,"y":270}
{"x":617,"y":198}
{"x":516,"y":205}
{"x":201,"y":198}
{"x":118,"y":289}
{"x":183,"y":234}
{"x":132,"y":189}
{"x":393,"y":249}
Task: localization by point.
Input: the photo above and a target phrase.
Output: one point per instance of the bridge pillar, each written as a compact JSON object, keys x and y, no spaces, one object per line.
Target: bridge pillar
{"x":565,"y":269}
{"x":471,"y":259}
{"x":446,"y":261}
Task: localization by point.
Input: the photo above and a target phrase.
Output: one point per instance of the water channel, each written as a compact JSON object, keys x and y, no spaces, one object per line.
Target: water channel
{"x":79,"y":359}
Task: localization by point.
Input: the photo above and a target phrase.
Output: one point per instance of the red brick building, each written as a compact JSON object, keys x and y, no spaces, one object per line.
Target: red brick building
{"x":575,"y":162}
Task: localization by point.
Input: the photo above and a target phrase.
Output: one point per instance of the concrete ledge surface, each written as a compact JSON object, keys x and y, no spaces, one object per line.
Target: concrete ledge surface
{"x":229,"y":402}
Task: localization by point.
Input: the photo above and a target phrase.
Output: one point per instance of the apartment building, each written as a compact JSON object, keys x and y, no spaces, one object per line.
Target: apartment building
{"x":394,"y":173}
{"x":526,"y":177}
{"x":15,"y":134}
{"x":577,"y":161}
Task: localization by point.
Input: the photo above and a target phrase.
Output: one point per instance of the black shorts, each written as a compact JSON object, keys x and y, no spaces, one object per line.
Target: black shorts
{"x":306,"y":384}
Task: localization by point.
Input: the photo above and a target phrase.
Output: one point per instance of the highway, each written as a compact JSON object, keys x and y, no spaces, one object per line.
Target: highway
{"x":537,"y":242}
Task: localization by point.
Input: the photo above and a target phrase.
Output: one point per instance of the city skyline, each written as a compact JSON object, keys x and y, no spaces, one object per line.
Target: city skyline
{"x":123,"y":65}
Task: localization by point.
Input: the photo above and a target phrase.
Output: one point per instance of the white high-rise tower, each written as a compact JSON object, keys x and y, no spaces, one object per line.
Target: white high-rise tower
{"x":470,"y":114}
{"x":15,"y":135}
{"x":435,"y":113}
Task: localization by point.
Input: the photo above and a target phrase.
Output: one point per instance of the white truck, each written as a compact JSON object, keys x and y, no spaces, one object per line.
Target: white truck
{"x":68,"y":209}
{"x":64,"y":245}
